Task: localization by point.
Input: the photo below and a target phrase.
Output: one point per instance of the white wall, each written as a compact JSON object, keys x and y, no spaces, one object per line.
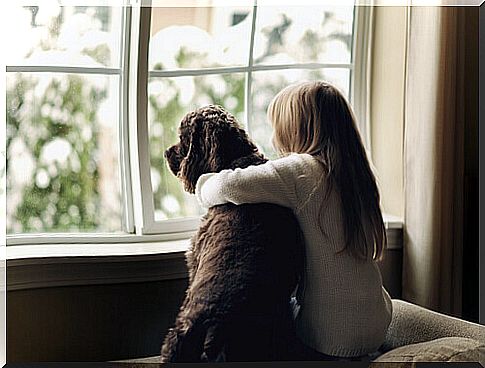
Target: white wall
{"x":387,"y":104}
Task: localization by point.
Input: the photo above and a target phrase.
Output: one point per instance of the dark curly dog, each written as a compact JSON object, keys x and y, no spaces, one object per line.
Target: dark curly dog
{"x":245,"y":261}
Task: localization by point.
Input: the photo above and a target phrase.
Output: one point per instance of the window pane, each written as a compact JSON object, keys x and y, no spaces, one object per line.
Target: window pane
{"x":169,"y":100}
{"x":302,"y":34}
{"x":199,"y":37}
{"x":266,"y":84}
{"x":62,"y":153}
{"x":64,"y":35}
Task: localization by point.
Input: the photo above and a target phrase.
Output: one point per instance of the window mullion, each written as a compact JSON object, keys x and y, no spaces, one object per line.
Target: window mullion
{"x":138,"y":116}
{"x":243,"y":69}
{"x":124,"y":152}
{"x":142,"y":120}
{"x":61,"y":69}
{"x":249,"y":80}
{"x":196,"y":72}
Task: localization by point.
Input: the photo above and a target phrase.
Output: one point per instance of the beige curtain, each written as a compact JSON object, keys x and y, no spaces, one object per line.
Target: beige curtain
{"x":433,"y":159}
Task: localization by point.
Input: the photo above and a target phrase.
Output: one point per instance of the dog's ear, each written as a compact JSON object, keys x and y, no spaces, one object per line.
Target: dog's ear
{"x":216,"y":144}
{"x":227,"y":142}
{"x":194,"y":163}
{"x":210,"y":147}
{"x":241,"y":142}
{"x":214,"y":141}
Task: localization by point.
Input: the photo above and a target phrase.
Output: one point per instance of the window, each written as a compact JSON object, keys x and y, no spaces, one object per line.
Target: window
{"x":96,"y":94}
{"x":64,"y":79}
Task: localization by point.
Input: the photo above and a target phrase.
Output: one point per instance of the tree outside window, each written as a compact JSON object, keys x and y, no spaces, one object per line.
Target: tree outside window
{"x":63,"y":127}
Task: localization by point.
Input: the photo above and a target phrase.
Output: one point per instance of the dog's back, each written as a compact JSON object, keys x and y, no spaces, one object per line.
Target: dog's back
{"x":266,"y":262}
{"x":245,"y":264}
{"x":258,"y":245}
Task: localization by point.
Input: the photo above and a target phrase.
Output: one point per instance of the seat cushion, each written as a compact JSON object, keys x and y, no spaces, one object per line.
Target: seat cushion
{"x":447,"y":349}
{"x":148,"y":360}
{"x":412,"y":324}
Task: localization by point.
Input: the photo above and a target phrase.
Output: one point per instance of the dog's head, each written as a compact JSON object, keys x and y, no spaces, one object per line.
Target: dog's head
{"x":210,"y":140}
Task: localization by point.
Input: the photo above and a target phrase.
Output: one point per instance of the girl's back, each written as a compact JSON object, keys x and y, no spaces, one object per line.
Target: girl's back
{"x":344,"y":311}
{"x":327,"y":180}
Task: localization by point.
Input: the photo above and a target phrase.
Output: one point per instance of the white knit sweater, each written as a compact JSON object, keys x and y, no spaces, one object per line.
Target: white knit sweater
{"x":345,"y":310}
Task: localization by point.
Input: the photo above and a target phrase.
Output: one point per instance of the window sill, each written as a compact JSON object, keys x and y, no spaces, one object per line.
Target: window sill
{"x":43,"y":252}
{"x":56,"y":265}
{"x":393,"y":222}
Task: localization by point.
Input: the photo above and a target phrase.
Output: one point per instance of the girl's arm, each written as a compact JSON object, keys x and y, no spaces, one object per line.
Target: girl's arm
{"x":279,"y":181}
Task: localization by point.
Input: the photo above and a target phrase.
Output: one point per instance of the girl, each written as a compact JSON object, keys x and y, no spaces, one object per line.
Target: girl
{"x":325,"y":178}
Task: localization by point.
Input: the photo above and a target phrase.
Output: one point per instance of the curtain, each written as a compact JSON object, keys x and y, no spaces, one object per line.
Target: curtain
{"x":434,"y":158}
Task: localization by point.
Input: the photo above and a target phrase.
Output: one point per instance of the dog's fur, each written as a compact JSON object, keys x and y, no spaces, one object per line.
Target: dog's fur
{"x":244,"y":263}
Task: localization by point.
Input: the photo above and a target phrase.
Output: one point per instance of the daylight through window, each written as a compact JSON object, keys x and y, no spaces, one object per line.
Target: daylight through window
{"x":68,"y":102}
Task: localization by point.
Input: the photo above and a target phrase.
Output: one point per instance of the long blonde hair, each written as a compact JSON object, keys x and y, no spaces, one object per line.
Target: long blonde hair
{"x":315,"y":118}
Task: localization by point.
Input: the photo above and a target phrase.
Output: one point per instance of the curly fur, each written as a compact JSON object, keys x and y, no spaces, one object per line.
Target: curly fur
{"x":244,"y":261}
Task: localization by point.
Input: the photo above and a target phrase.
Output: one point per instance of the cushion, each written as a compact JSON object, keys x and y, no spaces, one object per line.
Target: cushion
{"x":447,"y":349}
{"x":148,"y":360}
{"x":412,"y":324}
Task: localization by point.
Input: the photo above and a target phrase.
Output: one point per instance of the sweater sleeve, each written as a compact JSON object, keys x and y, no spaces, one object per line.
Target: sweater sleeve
{"x":277,"y":182}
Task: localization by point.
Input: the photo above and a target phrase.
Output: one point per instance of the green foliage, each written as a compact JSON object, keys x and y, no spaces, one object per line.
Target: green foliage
{"x":64,"y":194}
{"x":100,"y":53}
{"x":54,"y":129}
{"x":165,"y":117}
{"x":68,"y":198}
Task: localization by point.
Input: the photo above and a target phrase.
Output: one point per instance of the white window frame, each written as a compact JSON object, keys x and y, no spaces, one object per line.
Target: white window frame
{"x":358,"y":91}
{"x":139,"y":223}
{"x":122,"y":71}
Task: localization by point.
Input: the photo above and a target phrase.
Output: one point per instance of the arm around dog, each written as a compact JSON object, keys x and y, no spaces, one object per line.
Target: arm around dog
{"x":282,"y":181}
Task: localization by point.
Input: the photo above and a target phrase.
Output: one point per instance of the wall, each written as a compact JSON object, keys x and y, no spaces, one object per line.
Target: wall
{"x":163,"y":17}
{"x":387,"y":104}
{"x":91,"y":323}
{"x":387,"y":127}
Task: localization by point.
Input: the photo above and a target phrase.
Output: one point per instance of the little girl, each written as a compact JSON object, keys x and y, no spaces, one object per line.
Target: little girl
{"x":325,"y":178}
